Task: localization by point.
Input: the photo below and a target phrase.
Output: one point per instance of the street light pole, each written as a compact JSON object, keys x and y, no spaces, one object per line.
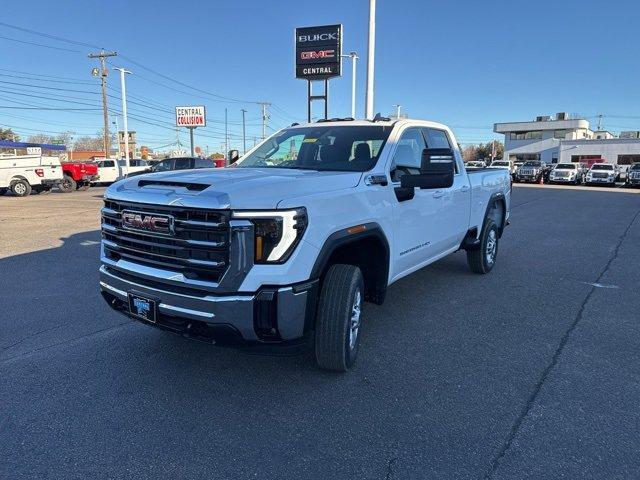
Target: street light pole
{"x":123,"y":91}
{"x":354,"y":57}
{"x":370,"y":59}
{"x":244,"y":132}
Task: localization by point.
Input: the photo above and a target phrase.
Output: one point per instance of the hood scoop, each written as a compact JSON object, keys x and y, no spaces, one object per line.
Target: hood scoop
{"x":197,"y":187}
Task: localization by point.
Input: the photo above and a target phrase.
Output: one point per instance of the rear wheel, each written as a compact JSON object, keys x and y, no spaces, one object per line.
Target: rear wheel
{"x":20,"y":188}
{"x":482,"y":259}
{"x":338,"y":319}
{"x":67,"y":185}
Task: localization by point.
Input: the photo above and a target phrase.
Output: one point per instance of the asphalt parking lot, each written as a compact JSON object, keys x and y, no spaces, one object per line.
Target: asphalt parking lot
{"x":529,"y":372}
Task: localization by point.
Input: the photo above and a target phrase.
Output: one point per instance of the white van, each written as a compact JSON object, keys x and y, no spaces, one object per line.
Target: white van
{"x":23,"y":174}
{"x":111,"y":170}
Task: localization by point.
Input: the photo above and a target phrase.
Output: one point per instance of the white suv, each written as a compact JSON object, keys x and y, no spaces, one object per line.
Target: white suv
{"x":567,"y":173}
{"x":602,"y":174}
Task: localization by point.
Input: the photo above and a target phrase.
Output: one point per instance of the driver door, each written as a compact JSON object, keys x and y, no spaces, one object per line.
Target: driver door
{"x":416,"y":233}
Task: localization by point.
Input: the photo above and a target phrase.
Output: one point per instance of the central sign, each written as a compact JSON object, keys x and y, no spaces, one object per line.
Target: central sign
{"x":318,"y":52}
{"x":191,"y":116}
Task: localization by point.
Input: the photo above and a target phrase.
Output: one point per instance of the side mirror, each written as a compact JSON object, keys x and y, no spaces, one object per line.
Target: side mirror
{"x":437,"y":170}
{"x":234,"y":156}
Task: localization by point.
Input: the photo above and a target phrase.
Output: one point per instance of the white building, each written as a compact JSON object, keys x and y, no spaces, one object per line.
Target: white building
{"x":566,"y":140}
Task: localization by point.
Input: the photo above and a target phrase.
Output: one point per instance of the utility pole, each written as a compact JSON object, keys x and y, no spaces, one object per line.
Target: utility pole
{"x":371,"y":48}
{"x":354,"y":57}
{"x":244,"y":132}
{"x":226,"y":133}
{"x":599,"y":122}
{"x":123,"y":92}
{"x":398,"y":107}
{"x":265,"y":118}
{"x":103,"y":80}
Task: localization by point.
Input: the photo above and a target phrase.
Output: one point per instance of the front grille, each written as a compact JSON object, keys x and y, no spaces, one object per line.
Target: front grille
{"x":561,"y":174}
{"x":198,"y":247}
{"x":635,"y":175}
{"x":599,"y":175}
{"x":527,"y":172}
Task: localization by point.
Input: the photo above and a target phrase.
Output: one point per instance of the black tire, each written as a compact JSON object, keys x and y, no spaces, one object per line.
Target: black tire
{"x":20,"y":188}
{"x":67,"y":184}
{"x":480,"y":259}
{"x":3,"y":191}
{"x":336,"y":342}
{"x":83,"y":187}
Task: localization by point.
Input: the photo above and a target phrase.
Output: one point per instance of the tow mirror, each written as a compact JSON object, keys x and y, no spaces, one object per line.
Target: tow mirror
{"x":437,"y":170}
{"x":233,"y":157}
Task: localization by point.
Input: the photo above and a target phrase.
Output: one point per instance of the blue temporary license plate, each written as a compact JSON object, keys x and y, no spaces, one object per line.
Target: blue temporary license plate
{"x":142,"y":307}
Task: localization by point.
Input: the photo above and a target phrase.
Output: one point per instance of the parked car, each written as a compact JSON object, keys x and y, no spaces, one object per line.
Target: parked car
{"x":633,"y":176}
{"x":283,"y":249}
{"x":503,"y":164}
{"x":111,"y":170}
{"x":23,"y":174}
{"x":78,"y":176}
{"x":180,"y":163}
{"x":531,"y":171}
{"x":602,"y":174}
{"x":475,"y":164}
{"x":567,"y":173}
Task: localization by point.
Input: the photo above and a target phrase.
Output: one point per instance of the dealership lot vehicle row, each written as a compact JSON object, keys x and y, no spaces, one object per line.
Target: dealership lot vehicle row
{"x":496,"y":373}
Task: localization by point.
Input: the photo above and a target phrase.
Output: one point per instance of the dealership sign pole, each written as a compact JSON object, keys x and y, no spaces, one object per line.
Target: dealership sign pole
{"x":318,"y":57}
{"x":191,"y":118}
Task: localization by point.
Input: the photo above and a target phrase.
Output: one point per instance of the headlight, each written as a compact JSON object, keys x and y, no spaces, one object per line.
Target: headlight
{"x":276,"y":233}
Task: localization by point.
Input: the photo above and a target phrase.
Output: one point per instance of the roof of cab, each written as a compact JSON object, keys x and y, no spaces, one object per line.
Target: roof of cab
{"x":384,"y":123}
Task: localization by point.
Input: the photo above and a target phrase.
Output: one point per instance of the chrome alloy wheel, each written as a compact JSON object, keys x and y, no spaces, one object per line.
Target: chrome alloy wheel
{"x":490,"y":250}
{"x":354,"y":322}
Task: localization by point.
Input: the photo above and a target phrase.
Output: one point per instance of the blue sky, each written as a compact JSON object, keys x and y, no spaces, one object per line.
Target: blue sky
{"x":465,"y":63}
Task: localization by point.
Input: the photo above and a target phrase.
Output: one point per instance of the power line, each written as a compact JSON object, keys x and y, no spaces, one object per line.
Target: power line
{"x":39,"y":44}
{"x":46,"y":35}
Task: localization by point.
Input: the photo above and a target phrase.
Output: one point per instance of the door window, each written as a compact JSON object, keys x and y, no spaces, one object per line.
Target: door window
{"x":407,"y":158}
{"x":108,"y":164}
{"x":182,"y":164}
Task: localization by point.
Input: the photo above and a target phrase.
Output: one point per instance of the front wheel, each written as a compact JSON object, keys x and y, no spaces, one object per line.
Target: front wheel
{"x":67,"y":185}
{"x":482,"y":260}
{"x":338,"y":319}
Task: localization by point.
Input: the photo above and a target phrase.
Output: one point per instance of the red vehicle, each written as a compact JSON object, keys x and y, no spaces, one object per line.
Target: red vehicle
{"x":78,"y":176}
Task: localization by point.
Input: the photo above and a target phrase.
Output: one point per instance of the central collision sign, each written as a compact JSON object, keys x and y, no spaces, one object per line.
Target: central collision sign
{"x":191,"y":116}
{"x":319,"y":52}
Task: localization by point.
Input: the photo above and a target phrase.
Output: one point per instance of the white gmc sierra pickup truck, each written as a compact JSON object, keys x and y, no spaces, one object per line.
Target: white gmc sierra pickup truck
{"x":282,"y":248}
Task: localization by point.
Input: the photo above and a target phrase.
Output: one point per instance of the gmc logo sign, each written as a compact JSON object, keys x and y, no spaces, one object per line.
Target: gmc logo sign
{"x":318,"y":54}
{"x":149,"y":222}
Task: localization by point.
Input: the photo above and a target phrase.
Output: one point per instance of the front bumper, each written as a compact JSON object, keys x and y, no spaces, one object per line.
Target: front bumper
{"x":280,"y":316}
{"x":563,"y":179}
{"x":606,"y":181}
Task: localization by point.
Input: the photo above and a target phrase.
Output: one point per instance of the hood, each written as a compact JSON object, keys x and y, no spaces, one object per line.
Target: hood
{"x":222,"y":188}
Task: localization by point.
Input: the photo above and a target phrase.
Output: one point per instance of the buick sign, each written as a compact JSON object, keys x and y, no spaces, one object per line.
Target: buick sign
{"x":318,"y":52}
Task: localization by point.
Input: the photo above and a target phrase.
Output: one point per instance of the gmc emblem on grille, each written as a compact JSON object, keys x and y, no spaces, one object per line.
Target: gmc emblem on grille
{"x":162,"y":224}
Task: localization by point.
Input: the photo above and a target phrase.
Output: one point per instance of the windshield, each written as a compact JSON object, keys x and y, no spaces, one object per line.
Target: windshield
{"x":566,"y":166}
{"x":601,"y":166}
{"x":531,"y":164}
{"x":635,"y":166}
{"x":343,"y":148}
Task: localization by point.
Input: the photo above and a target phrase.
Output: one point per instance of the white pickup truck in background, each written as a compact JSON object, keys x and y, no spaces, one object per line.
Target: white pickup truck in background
{"x":281,"y":249}
{"x":23,"y":174}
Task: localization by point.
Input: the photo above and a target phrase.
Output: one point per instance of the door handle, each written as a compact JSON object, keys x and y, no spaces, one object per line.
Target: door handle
{"x":438,"y":194}
{"x":464,"y":188}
